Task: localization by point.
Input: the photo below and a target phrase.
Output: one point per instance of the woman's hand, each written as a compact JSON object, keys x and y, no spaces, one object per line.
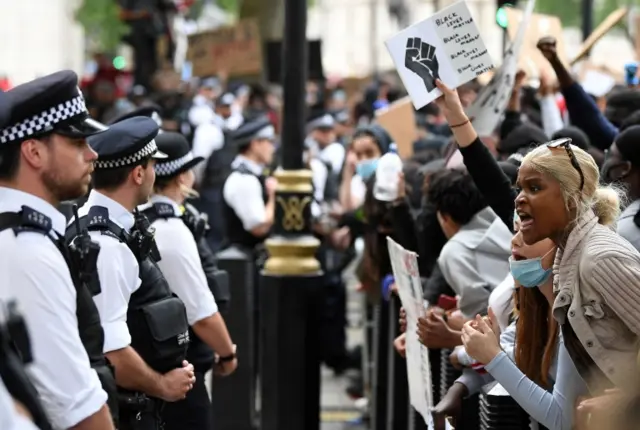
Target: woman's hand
{"x":400,"y":344}
{"x":450,"y":105}
{"x":402,"y":320}
{"x":434,"y":332}
{"x":455,"y":320}
{"x":480,"y":341}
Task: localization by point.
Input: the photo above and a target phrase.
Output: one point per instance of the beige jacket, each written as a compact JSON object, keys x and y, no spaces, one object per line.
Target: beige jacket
{"x":597,"y":287}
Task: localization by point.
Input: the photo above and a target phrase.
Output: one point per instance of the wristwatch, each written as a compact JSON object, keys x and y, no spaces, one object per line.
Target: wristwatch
{"x":227,"y":359}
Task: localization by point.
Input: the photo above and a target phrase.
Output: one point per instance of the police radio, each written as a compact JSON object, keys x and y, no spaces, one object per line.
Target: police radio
{"x":84,"y":257}
{"x":197,"y":222}
{"x":141,"y":240}
{"x":15,"y":333}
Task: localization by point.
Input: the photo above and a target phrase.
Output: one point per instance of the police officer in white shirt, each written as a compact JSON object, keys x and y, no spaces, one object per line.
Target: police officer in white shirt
{"x":322,"y":141}
{"x":249,"y":195}
{"x":45,"y":159}
{"x":146,"y":332}
{"x":181,"y":266}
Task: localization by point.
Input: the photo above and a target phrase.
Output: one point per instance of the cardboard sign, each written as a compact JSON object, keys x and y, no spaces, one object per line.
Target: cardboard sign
{"x":611,"y":21}
{"x":446,"y":46}
{"x":399,"y":119}
{"x":235,"y":50}
{"x":530,"y":59}
{"x":492,"y":100}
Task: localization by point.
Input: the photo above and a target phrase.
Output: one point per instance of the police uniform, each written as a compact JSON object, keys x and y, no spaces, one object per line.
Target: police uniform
{"x":34,"y":263}
{"x":136,"y":306}
{"x":150,"y":111}
{"x":182,"y":267}
{"x":244,"y":192}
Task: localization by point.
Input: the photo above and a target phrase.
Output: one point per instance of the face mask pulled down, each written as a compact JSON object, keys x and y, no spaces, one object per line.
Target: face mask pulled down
{"x":365,"y":169}
{"x":530,"y":273}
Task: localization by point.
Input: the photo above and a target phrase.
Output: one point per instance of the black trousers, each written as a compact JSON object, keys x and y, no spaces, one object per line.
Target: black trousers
{"x":192,"y":413}
{"x":130,"y":420}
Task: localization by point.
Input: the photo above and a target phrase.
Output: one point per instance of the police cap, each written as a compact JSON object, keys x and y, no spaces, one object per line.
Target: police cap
{"x":179,"y":157}
{"x":4,"y":108}
{"x":150,"y":111}
{"x":320,"y":121}
{"x":126,"y":143}
{"x":259,"y":128}
{"x":52,"y":103}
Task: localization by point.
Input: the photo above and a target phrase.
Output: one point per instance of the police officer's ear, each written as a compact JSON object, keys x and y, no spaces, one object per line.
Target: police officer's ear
{"x":35,"y":152}
{"x":138,"y":174}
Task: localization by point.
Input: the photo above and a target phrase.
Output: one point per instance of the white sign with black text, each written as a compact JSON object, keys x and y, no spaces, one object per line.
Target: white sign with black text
{"x":446,"y":46}
{"x":492,"y":100}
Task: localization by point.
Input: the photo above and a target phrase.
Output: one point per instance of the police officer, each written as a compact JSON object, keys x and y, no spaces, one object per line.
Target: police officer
{"x":181,"y":266}
{"x":146,"y":332}
{"x":44,"y":159}
{"x":249,"y":195}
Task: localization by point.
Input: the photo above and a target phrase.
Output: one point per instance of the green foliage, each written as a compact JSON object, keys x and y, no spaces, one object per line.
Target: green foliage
{"x":101,"y":23}
{"x":570,"y":11}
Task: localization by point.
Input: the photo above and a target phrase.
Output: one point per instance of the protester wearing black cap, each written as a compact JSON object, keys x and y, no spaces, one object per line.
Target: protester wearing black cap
{"x":145,"y":327}
{"x":44,"y":159}
{"x":249,"y":196}
{"x":622,"y":164}
{"x":182,"y":267}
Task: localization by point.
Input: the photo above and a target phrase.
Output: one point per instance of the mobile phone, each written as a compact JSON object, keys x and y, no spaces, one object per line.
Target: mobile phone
{"x":447,"y":302}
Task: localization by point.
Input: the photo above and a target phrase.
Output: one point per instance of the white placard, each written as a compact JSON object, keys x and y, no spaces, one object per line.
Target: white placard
{"x":492,"y":100}
{"x":407,"y":279}
{"x":597,"y":84}
{"x":446,"y":46}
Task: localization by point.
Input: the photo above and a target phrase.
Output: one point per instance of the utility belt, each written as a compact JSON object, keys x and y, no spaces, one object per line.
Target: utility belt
{"x":139,"y":411}
{"x":160,"y":333}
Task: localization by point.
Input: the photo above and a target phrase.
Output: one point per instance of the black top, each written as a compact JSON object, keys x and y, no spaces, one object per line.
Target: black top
{"x":491,"y":181}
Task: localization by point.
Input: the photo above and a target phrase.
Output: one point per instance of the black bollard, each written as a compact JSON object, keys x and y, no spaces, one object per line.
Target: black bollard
{"x":234,"y":397}
{"x":379,"y":387}
{"x":291,"y":280}
{"x":397,"y":382}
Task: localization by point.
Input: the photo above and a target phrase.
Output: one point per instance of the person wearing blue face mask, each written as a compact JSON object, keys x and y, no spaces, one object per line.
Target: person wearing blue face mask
{"x":367,"y":146}
{"x":538,"y":372}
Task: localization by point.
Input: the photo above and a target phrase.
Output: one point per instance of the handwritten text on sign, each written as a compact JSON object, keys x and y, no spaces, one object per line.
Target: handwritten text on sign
{"x":462,"y":43}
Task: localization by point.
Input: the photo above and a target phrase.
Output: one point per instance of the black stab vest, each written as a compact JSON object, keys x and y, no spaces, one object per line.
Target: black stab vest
{"x":89,"y":326}
{"x":156,"y":319}
{"x":199,"y":352}
{"x":236,"y":234}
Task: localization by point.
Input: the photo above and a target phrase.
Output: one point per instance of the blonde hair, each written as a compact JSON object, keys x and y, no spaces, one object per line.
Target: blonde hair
{"x":604,"y":201}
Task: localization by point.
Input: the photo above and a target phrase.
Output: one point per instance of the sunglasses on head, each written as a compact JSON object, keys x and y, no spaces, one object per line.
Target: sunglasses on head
{"x":566,"y":144}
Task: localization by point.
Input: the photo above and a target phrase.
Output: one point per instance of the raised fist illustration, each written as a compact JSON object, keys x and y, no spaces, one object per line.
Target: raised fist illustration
{"x":420,"y":58}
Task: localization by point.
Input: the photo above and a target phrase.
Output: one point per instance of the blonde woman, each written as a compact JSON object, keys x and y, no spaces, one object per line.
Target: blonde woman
{"x":181,"y":265}
{"x":596,"y":272}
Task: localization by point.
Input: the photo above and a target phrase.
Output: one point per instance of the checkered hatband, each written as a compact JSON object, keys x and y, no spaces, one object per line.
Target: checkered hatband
{"x":149,"y":149}
{"x":170,"y":167}
{"x":43,"y":121}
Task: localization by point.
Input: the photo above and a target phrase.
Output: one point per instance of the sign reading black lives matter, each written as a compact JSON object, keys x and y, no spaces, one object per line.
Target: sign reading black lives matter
{"x":446,"y":46}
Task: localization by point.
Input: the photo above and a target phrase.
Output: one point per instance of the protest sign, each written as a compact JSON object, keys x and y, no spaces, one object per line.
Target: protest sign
{"x":399,"y":119}
{"x":234,"y":50}
{"x":489,"y":105}
{"x":537,"y":26}
{"x":446,"y":46}
{"x":407,"y":279}
{"x":605,"y":26}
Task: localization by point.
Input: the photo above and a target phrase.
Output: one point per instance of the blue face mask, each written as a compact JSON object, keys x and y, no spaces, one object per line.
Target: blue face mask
{"x":530,"y":273}
{"x":365,"y":169}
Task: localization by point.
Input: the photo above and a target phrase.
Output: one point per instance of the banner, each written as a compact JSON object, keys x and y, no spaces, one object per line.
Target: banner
{"x":407,"y":279}
{"x":399,"y":119}
{"x":234,"y":50}
{"x":492,"y":100}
